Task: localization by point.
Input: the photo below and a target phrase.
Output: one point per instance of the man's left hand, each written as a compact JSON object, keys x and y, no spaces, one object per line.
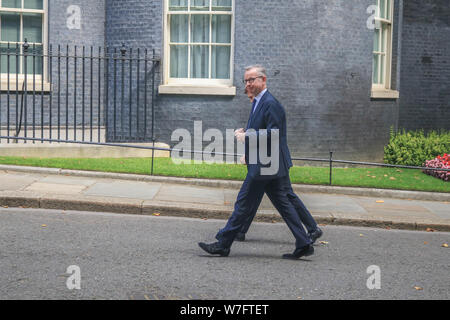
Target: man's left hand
{"x":240,"y":135}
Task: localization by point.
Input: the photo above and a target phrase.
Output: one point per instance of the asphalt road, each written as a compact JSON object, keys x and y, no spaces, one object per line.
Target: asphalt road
{"x":153,"y":257}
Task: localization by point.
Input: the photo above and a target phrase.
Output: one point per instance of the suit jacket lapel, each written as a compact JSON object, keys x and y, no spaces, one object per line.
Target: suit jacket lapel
{"x":258,"y":107}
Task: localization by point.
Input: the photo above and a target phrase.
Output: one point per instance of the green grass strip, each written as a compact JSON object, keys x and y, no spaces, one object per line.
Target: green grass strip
{"x":383,"y":178}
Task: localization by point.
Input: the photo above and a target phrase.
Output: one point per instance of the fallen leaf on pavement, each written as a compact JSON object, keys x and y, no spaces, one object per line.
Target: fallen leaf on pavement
{"x":44,"y":225}
{"x":323,"y":242}
{"x":418,"y":288}
{"x":430,"y":230}
{"x":379,"y":201}
{"x":445,"y":245}
{"x":361,"y":235}
{"x":156,"y":213}
{"x":425,"y":242}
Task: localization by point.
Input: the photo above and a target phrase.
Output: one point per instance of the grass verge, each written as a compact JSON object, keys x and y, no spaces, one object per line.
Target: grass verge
{"x":383,"y":178}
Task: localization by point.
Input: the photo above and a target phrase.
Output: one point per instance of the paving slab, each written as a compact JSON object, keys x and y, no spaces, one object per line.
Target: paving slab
{"x":441,"y":209}
{"x":401,"y":209}
{"x":124,"y":189}
{"x":55,"y":188}
{"x":15,"y":182}
{"x":180,"y":193}
{"x":60,"y":179}
{"x":332,"y":203}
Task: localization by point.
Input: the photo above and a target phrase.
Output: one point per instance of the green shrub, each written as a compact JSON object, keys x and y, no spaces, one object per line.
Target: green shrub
{"x":413,"y":148}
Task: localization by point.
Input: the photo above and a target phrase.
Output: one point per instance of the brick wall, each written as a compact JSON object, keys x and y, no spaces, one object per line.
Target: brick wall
{"x":425,"y":72}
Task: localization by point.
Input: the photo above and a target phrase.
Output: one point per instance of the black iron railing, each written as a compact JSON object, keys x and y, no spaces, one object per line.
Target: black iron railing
{"x":77,"y":94}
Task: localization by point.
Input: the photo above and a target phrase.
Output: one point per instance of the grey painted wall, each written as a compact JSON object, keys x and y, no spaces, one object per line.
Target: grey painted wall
{"x":425,"y":73}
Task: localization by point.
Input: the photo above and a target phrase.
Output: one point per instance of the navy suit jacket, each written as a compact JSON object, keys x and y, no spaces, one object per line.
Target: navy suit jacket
{"x":268,"y":115}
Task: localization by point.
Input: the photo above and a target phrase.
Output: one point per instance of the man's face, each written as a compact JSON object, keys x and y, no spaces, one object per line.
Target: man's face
{"x":249,"y":95}
{"x":254,"y":82}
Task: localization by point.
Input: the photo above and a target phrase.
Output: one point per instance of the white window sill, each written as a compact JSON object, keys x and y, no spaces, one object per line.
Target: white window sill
{"x":384,"y":94}
{"x":29,"y":85}
{"x":197,"y":90}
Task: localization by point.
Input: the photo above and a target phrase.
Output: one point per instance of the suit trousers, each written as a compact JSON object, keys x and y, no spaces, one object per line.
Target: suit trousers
{"x":247,"y":203}
{"x":303,"y":213}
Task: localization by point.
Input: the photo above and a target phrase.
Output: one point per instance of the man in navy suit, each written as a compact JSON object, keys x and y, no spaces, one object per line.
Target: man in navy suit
{"x":268,"y":161}
{"x":314,"y":232}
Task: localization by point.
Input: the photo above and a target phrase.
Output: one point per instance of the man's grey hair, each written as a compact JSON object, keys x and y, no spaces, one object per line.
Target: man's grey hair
{"x":259,"y":69}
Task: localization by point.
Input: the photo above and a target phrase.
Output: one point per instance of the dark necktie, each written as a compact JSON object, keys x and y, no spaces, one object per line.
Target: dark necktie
{"x":253,"y":105}
{"x":251,"y":113}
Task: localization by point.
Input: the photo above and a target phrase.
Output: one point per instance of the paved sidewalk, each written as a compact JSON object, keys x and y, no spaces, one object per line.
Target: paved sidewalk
{"x":200,"y":198}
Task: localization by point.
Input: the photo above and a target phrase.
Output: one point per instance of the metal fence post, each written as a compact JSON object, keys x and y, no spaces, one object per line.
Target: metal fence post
{"x":331,"y":167}
{"x":153,"y":108}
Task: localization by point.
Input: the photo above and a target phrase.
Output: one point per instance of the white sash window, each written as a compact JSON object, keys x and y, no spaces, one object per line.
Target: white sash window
{"x":22,"y":20}
{"x":382,"y":49}
{"x":198,"y":42}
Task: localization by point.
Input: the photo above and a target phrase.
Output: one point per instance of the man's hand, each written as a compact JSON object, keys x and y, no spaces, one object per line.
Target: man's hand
{"x":240,"y":135}
{"x":243,"y":160}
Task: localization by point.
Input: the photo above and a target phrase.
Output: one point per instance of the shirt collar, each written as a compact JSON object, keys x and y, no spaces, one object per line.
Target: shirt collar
{"x":259,"y":96}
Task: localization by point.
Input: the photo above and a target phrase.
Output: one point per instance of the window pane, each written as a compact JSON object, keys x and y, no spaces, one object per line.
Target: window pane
{"x":220,"y":62}
{"x":178,"y":5}
{"x":383,"y":8}
{"x":32,"y":27}
{"x":388,"y":8}
{"x":12,"y":59}
{"x":10,"y":27}
{"x":200,"y":62}
{"x":200,"y":5}
{"x":33,"y":4}
{"x":200,"y":28}
{"x":221,"y":5}
{"x":382,"y":66}
{"x":375,"y":77}
{"x":383,"y":38}
{"x":376,"y":40}
{"x":179,"y":28}
{"x":178,"y":61}
{"x":221,"y":29}
{"x":12,"y":3}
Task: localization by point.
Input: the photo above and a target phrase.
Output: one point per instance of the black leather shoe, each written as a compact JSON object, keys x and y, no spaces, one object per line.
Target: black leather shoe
{"x":298,"y":253}
{"x":214,"y":248}
{"x":240,"y":237}
{"x":316,"y":234}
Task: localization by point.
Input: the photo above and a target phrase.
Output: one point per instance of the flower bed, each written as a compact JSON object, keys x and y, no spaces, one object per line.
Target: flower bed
{"x":439,"y":162}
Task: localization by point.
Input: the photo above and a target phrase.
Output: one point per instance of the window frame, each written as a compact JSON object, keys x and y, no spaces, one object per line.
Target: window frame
{"x":385,"y":21}
{"x":190,"y":85}
{"x":38,"y":78}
